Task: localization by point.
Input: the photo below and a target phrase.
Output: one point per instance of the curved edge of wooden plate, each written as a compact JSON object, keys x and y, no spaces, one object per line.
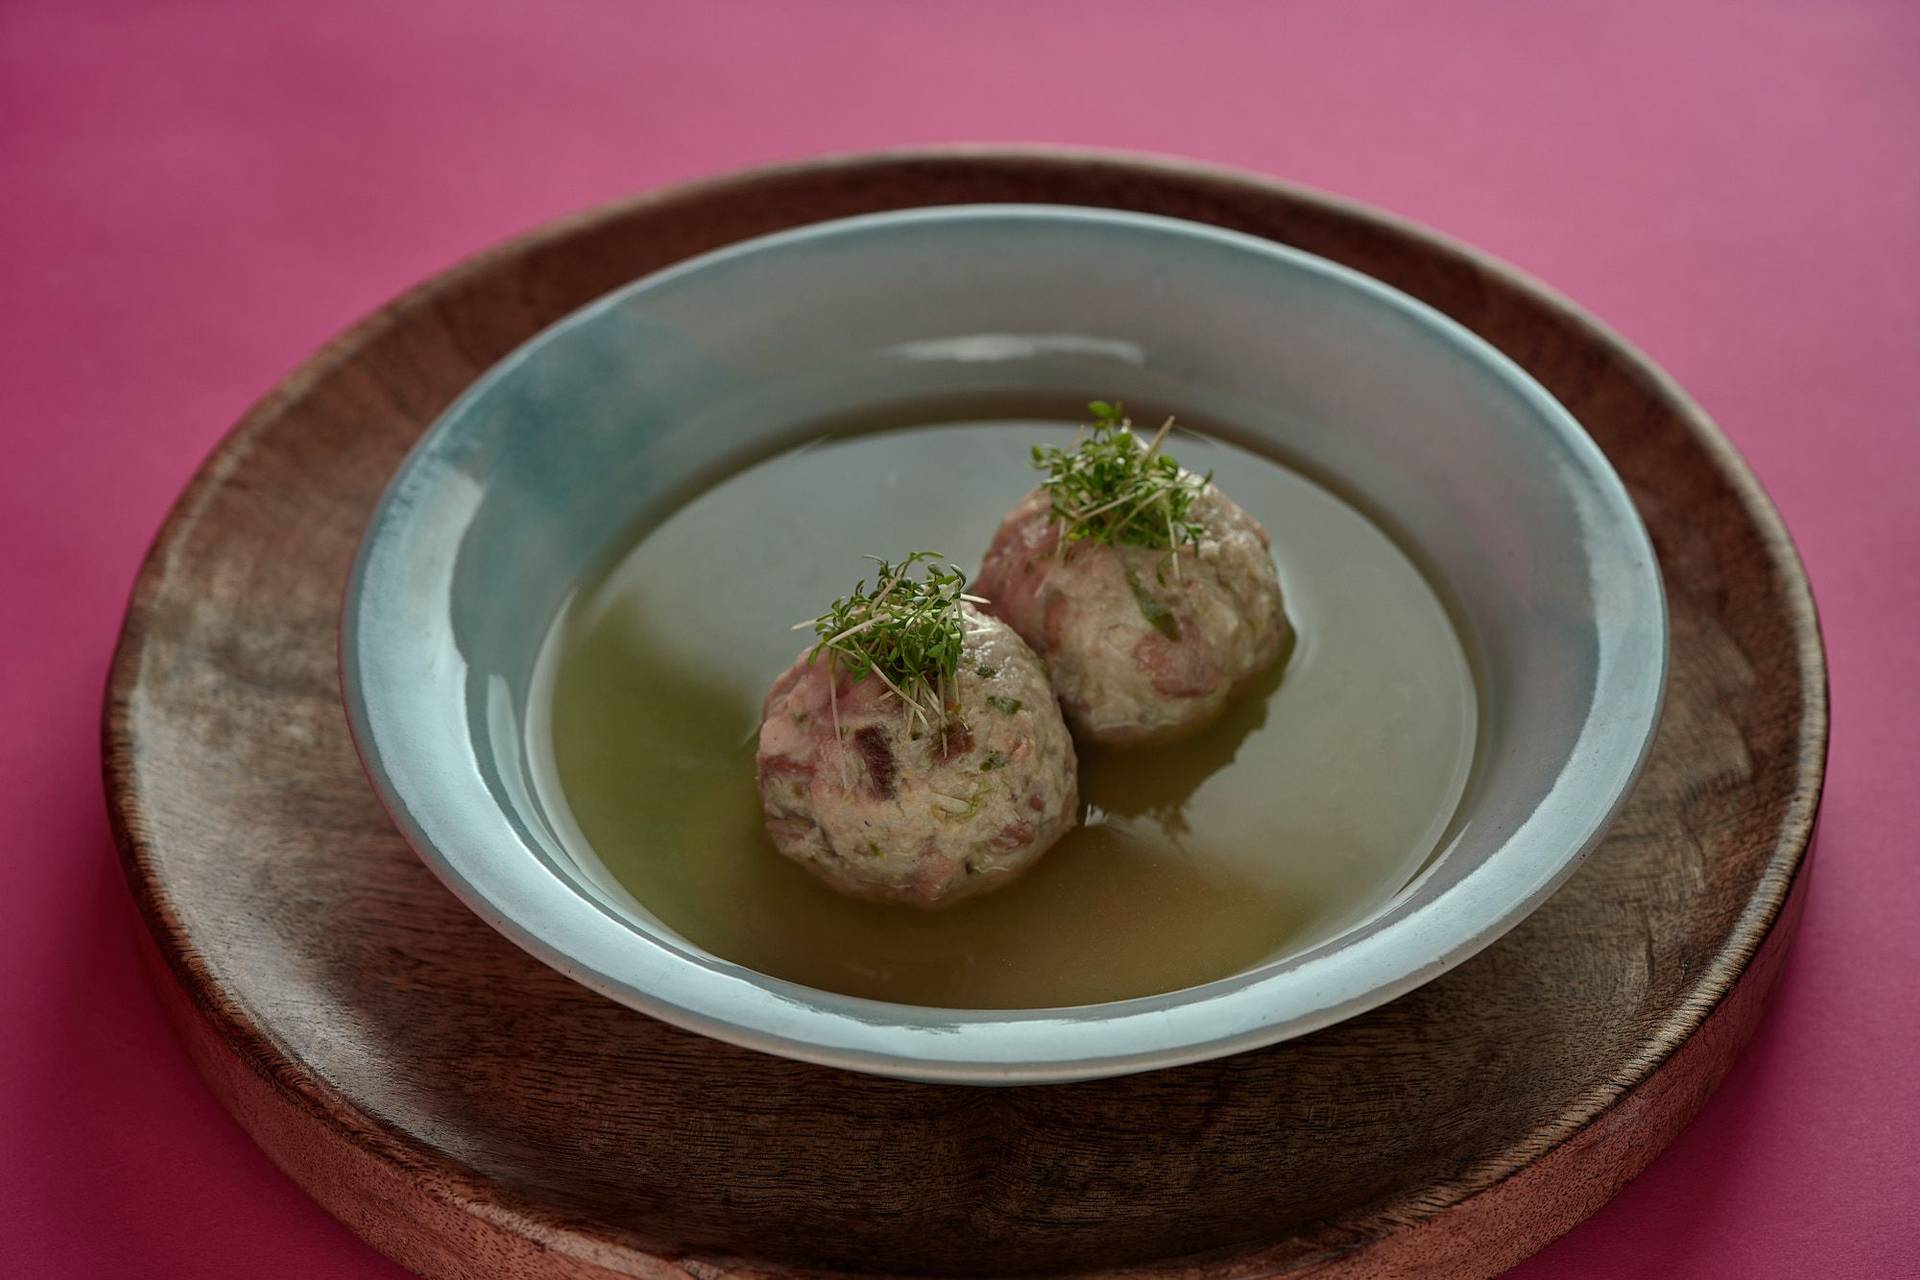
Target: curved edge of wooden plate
{"x":435,"y":1216}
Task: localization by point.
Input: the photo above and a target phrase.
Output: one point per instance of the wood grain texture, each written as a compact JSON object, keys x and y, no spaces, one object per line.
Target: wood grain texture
{"x":471,"y":1112}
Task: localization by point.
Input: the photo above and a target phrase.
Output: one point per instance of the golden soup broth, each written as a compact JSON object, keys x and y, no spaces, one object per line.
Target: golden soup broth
{"x":1307,"y":807}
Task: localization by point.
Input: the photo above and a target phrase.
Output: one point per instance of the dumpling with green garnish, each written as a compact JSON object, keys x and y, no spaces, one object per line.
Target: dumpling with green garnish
{"x":1151,"y":596}
{"x":915,"y":753}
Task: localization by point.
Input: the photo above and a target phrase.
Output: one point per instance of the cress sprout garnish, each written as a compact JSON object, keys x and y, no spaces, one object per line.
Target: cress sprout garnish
{"x":907,"y":632}
{"x":1113,"y":489}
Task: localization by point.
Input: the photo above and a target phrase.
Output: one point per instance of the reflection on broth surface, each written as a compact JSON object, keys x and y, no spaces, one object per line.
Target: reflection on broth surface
{"x":1304,"y":808}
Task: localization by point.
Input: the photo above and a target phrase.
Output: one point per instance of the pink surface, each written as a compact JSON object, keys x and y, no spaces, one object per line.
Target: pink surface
{"x":193,"y":197}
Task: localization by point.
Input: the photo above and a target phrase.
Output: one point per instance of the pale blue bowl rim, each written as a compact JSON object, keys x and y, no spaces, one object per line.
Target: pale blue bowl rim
{"x":1023,"y":1046}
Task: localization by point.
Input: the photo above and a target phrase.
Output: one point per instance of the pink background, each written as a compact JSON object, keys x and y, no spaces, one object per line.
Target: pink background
{"x":194,"y":196}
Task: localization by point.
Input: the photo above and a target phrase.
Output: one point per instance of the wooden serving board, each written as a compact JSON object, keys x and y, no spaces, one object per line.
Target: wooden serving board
{"x":470,"y":1111}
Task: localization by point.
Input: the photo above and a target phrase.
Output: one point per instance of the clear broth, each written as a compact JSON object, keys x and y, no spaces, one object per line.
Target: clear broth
{"x":1300,"y":813}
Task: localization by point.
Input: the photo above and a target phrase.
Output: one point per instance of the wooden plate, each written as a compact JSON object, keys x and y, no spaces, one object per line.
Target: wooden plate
{"x":470,"y":1111}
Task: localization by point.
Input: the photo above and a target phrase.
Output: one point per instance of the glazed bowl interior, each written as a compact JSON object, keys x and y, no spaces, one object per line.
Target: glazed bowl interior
{"x":615,"y":415}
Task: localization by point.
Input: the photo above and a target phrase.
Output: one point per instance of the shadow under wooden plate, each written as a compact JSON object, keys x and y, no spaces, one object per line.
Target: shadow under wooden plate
{"x":470,"y":1111}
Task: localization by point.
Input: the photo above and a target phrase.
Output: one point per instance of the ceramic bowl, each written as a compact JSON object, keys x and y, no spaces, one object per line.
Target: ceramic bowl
{"x":634,"y":401}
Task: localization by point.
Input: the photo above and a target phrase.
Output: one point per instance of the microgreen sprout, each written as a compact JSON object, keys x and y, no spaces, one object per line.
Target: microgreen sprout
{"x":1112,"y":489}
{"x":907,"y":632}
